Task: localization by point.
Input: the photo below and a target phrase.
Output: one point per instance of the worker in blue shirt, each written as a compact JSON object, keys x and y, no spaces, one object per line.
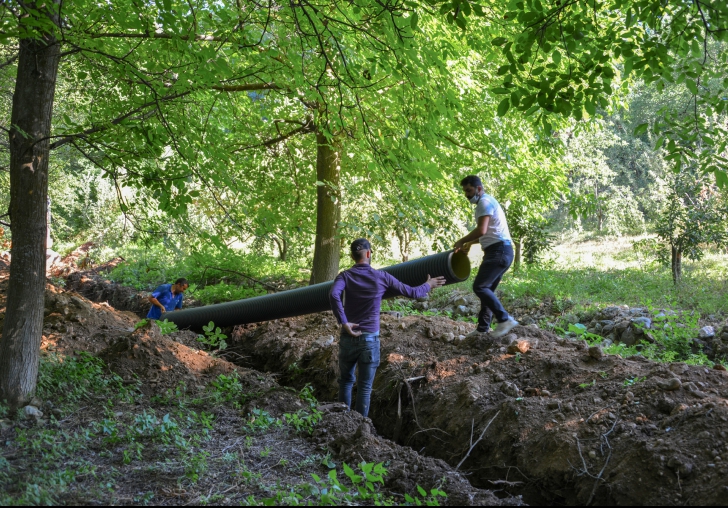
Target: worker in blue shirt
{"x":167,"y":297}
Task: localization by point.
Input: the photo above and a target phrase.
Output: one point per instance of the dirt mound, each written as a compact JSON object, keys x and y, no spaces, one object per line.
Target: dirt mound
{"x":560,"y":422}
{"x":98,"y":289}
{"x":72,"y":322}
{"x":159,"y":362}
{"x":353,"y":439}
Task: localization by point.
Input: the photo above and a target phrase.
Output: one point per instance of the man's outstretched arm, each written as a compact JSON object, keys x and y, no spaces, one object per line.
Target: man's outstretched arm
{"x":397,"y":288}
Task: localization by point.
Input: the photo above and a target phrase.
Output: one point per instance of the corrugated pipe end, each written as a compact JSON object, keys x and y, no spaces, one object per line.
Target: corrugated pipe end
{"x":459,"y":265}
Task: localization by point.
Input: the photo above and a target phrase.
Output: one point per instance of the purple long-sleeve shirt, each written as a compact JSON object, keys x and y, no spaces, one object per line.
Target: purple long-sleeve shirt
{"x":365,"y":287}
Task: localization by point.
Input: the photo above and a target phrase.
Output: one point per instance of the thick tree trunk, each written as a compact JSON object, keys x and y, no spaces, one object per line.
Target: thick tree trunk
{"x":29,"y":148}
{"x":676,"y":262}
{"x":328,"y":211}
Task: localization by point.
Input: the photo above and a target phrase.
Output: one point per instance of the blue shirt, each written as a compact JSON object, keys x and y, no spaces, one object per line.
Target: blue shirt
{"x":164,"y":295}
{"x":365,"y":287}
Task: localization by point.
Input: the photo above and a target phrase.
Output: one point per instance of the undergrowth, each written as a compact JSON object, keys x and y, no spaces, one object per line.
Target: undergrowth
{"x":106,"y":442}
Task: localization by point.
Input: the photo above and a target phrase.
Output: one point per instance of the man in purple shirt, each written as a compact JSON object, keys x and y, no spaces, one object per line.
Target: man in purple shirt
{"x":359,"y":319}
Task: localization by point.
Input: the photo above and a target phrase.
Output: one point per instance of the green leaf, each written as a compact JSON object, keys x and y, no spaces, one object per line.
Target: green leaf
{"x":721,"y":178}
{"x":503,"y":107}
{"x":692,"y":86}
{"x":641,"y":129}
{"x":556,"y":56}
{"x":499,"y":41}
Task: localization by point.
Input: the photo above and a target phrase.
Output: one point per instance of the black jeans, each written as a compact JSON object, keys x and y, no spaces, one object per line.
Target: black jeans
{"x":361,"y":352}
{"x":497,"y":260}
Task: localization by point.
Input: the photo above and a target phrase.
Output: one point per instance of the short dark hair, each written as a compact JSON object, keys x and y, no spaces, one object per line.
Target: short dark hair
{"x":359,"y":247}
{"x":182,"y":282}
{"x":472,"y":180}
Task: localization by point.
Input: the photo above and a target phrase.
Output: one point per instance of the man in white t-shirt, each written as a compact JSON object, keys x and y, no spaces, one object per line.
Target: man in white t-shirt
{"x":491,"y":231}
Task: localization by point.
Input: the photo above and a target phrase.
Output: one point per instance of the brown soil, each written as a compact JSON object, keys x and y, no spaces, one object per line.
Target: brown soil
{"x":98,"y":289}
{"x":565,"y":424}
{"x":159,"y":363}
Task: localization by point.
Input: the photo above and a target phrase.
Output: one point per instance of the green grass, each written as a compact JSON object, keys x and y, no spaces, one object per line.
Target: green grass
{"x":600,"y":273}
{"x":580,"y":273}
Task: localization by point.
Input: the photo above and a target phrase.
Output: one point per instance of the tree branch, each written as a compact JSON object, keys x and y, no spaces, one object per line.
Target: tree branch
{"x":93,"y":130}
{"x":9,"y":61}
{"x":306,"y":128}
{"x":248,"y":87}
{"x":156,"y":35}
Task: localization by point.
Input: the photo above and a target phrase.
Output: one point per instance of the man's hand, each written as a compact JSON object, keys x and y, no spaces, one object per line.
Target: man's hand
{"x":156,"y":302}
{"x":349,"y":328}
{"x":436,"y":282}
{"x":461,"y":246}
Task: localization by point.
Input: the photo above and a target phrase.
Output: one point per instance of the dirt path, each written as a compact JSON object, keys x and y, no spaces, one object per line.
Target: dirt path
{"x":565,"y":424}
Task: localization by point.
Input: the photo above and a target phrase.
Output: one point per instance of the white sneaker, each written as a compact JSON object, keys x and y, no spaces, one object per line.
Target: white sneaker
{"x":503,"y":328}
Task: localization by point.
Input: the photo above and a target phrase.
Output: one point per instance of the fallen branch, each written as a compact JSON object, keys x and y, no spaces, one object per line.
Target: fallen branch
{"x":473,"y":445}
{"x":268,"y":286}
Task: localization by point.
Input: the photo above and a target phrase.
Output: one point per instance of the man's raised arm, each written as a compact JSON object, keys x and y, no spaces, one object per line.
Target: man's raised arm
{"x":397,"y":288}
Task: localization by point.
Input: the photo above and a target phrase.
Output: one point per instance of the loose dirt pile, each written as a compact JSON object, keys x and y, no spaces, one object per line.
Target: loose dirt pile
{"x":98,"y":289}
{"x":160,"y":361}
{"x":158,"y":364}
{"x":537,"y":415}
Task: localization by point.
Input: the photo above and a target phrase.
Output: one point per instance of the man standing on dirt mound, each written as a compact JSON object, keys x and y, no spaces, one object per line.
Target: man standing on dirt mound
{"x":359,"y":319}
{"x":491,"y":231}
{"x":166,"y":298}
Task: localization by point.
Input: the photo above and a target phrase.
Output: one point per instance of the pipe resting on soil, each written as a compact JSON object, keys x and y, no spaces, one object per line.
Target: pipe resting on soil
{"x":454,"y":266}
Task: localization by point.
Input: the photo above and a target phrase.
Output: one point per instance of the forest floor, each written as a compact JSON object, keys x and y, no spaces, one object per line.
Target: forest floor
{"x":125,"y":415}
{"x":132,"y":416}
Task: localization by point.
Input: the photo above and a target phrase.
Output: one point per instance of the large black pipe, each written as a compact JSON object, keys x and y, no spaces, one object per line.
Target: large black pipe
{"x":455,"y":267}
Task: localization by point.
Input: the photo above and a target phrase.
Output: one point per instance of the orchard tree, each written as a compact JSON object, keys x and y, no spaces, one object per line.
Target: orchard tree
{"x":696,"y":215}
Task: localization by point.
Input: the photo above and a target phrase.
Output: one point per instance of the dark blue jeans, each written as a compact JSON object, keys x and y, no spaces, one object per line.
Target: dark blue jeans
{"x":497,"y":260}
{"x":362,"y":351}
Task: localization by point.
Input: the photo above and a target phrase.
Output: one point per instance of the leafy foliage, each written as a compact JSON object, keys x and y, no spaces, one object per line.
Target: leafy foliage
{"x":213,"y":336}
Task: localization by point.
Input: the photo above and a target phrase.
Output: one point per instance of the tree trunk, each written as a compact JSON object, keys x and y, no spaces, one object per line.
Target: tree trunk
{"x":676,"y":262}
{"x":404,"y":243}
{"x":328,"y":212}
{"x":282,"y":245}
{"x":518,"y":254}
{"x":29,"y":148}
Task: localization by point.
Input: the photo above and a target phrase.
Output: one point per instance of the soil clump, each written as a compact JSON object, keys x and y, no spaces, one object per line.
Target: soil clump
{"x":566,"y":423}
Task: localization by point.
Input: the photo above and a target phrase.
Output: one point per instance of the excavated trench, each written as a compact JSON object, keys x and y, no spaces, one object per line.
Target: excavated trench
{"x":533,"y":415}
{"x":565,"y":425}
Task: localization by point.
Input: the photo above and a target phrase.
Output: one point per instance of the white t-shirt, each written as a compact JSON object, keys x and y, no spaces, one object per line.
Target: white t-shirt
{"x":497,"y":226}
